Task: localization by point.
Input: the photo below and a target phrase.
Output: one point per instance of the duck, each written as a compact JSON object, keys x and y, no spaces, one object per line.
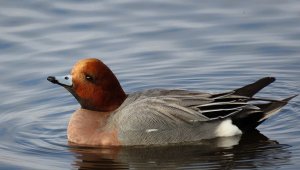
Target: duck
{"x":110,"y":117}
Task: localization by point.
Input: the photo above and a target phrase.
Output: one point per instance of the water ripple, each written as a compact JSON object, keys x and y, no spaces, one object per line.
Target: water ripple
{"x":208,"y":46}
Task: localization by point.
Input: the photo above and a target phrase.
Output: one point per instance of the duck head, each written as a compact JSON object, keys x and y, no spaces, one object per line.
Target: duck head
{"x":93,"y":84}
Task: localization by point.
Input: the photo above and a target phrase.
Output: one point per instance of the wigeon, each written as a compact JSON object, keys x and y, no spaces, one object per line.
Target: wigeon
{"x":108,"y":116}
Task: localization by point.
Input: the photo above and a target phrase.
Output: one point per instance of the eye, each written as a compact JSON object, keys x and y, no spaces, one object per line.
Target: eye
{"x":89,"y":78}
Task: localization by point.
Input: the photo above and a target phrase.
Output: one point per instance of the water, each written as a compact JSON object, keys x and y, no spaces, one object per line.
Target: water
{"x":207,"y":46}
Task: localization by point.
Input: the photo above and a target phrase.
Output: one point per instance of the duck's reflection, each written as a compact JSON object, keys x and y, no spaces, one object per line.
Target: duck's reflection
{"x":243,"y":152}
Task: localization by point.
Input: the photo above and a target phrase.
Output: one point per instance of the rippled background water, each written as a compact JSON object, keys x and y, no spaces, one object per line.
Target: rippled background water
{"x":198,"y":45}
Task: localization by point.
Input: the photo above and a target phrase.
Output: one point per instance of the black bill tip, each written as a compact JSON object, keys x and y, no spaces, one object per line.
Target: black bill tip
{"x":52,"y":79}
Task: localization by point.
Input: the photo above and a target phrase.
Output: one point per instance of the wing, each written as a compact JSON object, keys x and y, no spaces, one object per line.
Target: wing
{"x":165,"y":109}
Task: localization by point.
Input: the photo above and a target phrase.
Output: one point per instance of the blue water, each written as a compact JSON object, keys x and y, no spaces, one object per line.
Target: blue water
{"x":197,"y":45}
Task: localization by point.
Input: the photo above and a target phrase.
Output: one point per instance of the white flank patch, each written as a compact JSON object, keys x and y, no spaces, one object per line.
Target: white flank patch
{"x":151,"y":130}
{"x":226,"y":128}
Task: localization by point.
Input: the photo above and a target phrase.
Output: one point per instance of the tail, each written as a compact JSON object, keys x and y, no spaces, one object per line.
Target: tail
{"x":250,"y":117}
{"x":273,"y":107}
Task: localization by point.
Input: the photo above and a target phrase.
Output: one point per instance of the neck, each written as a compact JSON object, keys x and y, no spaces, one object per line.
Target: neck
{"x":103,"y":101}
{"x":105,"y":104}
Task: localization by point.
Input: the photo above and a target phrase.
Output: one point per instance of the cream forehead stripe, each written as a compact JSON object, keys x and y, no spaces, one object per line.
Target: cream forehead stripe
{"x":66,"y":80}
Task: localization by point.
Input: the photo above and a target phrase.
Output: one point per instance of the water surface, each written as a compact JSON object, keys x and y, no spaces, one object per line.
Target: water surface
{"x":207,"y":46}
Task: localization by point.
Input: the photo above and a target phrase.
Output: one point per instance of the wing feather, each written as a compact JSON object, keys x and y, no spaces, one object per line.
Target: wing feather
{"x":170,"y":109}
